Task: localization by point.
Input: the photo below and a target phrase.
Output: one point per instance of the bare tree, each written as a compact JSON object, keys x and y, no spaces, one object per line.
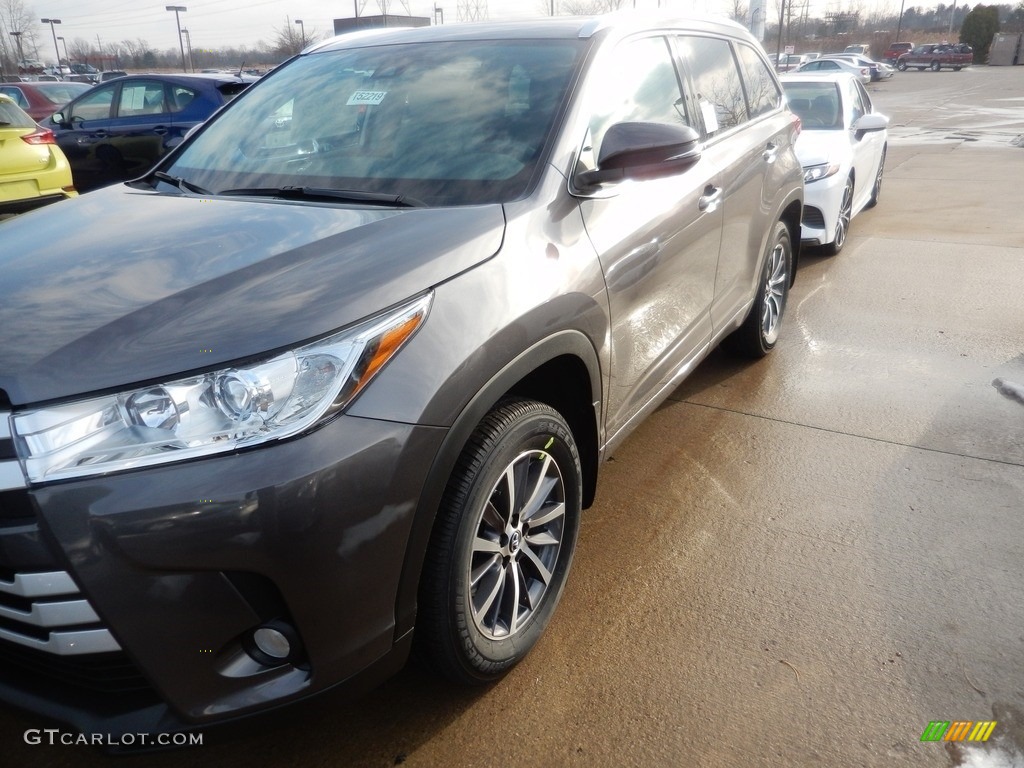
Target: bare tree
{"x":288,"y":39}
{"x":739,"y":12}
{"x":582,"y":7}
{"x":15,"y":16}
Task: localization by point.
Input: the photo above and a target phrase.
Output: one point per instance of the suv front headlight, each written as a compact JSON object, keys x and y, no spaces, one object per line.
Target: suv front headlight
{"x":214,"y":412}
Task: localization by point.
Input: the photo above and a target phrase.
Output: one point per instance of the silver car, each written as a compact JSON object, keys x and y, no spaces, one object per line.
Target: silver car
{"x":345,"y":364}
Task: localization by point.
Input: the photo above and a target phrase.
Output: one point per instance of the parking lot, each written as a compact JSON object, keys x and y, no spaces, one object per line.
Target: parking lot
{"x":801,"y":561}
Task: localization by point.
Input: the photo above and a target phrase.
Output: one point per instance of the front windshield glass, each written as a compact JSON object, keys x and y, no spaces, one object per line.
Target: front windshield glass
{"x":446,"y":123}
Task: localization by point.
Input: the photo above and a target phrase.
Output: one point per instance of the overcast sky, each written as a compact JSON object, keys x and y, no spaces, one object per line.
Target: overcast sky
{"x":224,"y":23}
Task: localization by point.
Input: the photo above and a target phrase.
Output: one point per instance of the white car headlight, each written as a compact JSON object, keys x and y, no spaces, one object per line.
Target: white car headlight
{"x":819,"y":172}
{"x":213,"y":412}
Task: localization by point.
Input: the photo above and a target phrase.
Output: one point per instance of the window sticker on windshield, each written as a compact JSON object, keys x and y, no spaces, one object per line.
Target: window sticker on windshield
{"x":707,"y":109}
{"x":366,"y":97}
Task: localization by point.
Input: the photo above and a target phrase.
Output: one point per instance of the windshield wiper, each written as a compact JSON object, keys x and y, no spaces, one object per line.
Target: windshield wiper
{"x":346,"y":195}
{"x":182,"y":184}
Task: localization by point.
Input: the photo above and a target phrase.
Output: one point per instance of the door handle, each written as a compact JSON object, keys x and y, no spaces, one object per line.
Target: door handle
{"x":709,"y":201}
{"x":160,"y":130}
{"x":770,"y":153}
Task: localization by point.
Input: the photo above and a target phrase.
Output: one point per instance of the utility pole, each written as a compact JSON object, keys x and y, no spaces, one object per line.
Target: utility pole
{"x":177,"y":10}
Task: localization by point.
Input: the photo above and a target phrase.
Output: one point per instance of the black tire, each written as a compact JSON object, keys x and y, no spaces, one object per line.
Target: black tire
{"x":901,"y":66}
{"x":484,"y":598}
{"x":842,"y":223}
{"x":957,"y":69}
{"x":876,"y":190}
{"x":936,"y":66}
{"x":760,"y":331}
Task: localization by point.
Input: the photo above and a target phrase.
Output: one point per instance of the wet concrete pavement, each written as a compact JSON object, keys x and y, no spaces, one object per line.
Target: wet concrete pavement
{"x":799,"y":562}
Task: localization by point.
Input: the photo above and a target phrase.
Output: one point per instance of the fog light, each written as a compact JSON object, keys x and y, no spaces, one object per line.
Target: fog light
{"x":272,"y":642}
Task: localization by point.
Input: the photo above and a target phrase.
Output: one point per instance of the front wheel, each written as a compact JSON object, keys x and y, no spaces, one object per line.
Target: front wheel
{"x":901,"y":66}
{"x":876,"y":190}
{"x":503,"y":543}
{"x":759,"y":332}
{"x":842,"y":222}
{"x":936,"y":66}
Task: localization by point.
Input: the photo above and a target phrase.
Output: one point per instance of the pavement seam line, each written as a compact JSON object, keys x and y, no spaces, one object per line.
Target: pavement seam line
{"x":849,"y":434}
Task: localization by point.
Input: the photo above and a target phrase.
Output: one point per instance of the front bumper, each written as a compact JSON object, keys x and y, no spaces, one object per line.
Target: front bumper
{"x":175,"y":565}
{"x":822,"y":200}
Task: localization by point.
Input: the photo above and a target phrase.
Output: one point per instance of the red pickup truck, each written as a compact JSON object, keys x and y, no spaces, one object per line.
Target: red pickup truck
{"x":935,"y":57}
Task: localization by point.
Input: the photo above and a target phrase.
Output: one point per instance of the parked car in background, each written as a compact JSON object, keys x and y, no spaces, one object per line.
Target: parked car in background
{"x":42,"y":99}
{"x":841,"y":147}
{"x":826,"y":64}
{"x":788,"y":61}
{"x":343,"y":368}
{"x":30,"y":67}
{"x":33,"y":170}
{"x":860,"y":49}
{"x":895,"y":50}
{"x":111,"y":74}
{"x":879,"y":70}
{"x":936,"y":57}
{"x":119,"y":129}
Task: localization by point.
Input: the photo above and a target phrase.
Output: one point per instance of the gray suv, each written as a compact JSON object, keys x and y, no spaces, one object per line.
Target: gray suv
{"x":346,"y":362}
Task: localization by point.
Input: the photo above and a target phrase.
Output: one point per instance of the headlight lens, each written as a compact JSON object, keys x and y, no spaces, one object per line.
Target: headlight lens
{"x":214,"y":412}
{"x":819,"y":172}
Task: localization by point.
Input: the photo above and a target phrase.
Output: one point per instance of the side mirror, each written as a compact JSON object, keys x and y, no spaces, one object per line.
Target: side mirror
{"x":867,"y":123}
{"x":643,"y":151}
{"x":57,"y":118}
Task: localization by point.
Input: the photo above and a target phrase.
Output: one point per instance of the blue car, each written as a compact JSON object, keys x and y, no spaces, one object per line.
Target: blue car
{"x":118,"y":130}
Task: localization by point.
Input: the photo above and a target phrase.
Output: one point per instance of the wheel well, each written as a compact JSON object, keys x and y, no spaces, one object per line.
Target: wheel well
{"x":791,"y":218}
{"x":564,"y":384}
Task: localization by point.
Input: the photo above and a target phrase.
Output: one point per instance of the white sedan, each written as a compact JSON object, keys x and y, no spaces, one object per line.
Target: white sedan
{"x":830,"y":66}
{"x":842,"y":150}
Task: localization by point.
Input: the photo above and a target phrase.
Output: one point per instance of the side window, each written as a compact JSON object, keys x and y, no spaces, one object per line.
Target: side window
{"x":762,"y":90}
{"x":856,"y":102}
{"x":141,"y":98}
{"x":642,"y":86}
{"x":717,"y":80}
{"x":95,"y":105}
{"x":180,"y":97}
{"x":868,"y":106}
{"x":16,"y":95}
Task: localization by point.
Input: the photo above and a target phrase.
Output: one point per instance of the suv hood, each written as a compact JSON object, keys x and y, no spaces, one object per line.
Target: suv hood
{"x":121,"y":287}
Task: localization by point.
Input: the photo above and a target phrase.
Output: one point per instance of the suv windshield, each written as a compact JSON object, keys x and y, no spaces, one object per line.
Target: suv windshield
{"x":446,"y":123}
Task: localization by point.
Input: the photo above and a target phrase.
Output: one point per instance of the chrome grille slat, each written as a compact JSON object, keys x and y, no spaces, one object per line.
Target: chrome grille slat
{"x":54,"y":615}
{"x":11,"y":476}
{"x":65,"y":613}
{"x":40,"y":585}
{"x":71,"y":643}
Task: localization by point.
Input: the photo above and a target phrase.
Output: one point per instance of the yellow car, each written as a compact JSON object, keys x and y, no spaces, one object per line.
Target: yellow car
{"x":33,"y":170}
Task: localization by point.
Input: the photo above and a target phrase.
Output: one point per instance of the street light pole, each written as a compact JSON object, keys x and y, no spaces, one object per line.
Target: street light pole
{"x":303,"y":28}
{"x":65,"y":44}
{"x":53,"y":32}
{"x":899,"y":24}
{"x":21,"y":53}
{"x":188,"y":40}
{"x":179,"y":9}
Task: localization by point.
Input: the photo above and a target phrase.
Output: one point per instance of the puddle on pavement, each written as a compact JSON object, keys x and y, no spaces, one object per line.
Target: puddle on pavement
{"x":1009,"y":389}
{"x":1004,"y":750}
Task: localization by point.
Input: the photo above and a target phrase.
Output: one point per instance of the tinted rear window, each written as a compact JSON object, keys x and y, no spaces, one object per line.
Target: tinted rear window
{"x":11,"y":116}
